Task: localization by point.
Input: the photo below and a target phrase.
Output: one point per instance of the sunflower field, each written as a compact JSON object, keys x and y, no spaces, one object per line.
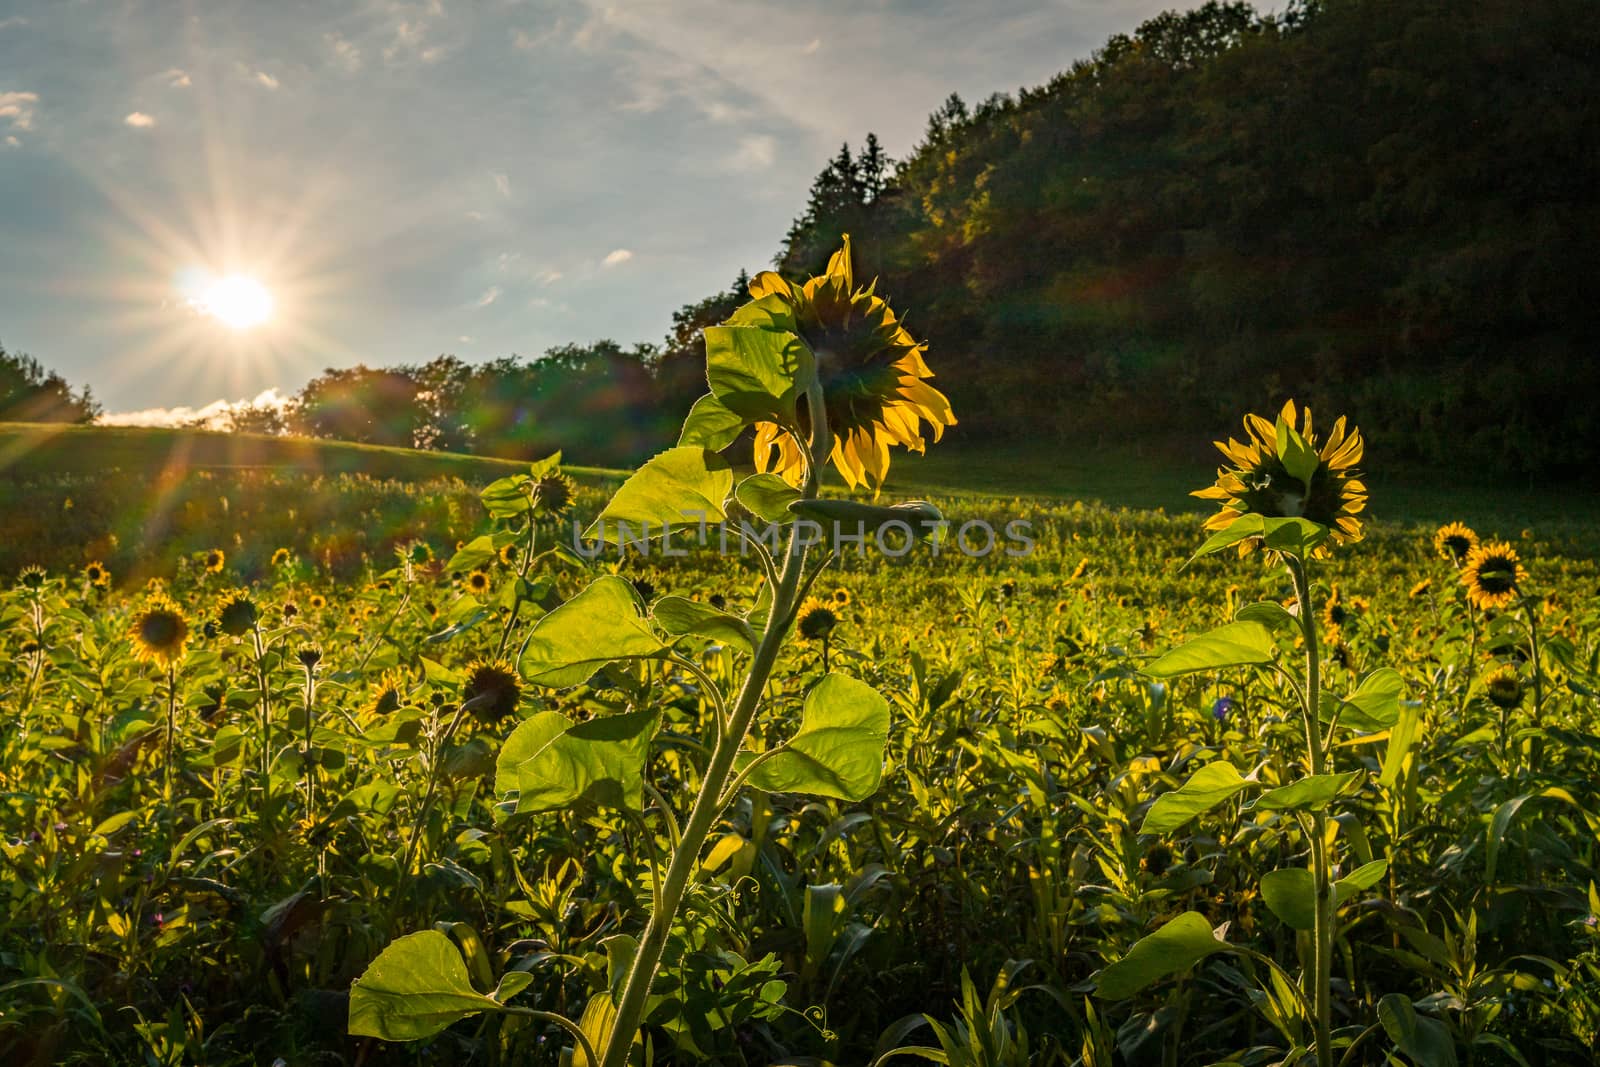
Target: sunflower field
{"x":561,"y":772}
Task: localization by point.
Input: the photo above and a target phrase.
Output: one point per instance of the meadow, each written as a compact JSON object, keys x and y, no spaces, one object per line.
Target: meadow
{"x":210,"y":897}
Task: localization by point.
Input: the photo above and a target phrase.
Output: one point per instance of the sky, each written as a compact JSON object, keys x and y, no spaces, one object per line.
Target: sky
{"x":406,"y":178}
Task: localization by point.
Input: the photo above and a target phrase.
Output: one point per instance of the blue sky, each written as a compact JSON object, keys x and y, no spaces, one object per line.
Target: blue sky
{"x":409,"y":178}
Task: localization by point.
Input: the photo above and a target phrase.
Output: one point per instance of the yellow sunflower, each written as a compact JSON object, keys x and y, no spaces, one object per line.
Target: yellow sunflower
{"x":1454,"y":541}
{"x":815,"y":620}
{"x":477,"y":581}
{"x":553,"y":493}
{"x":1491,"y":574}
{"x":1256,"y":482}
{"x":492,"y":690}
{"x":280,"y":557}
{"x":97,"y":575}
{"x":160,"y":631}
{"x":214,"y":561}
{"x":873,"y":378}
{"x":1504,"y":688}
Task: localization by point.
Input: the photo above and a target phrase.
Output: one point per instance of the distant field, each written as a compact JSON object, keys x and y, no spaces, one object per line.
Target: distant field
{"x":1116,"y":475}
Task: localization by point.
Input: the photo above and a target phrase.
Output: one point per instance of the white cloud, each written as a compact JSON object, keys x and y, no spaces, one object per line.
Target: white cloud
{"x":11,"y":141}
{"x":616,"y":257}
{"x":502,"y":182}
{"x":811,"y":49}
{"x":212,"y":416}
{"x":266,"y":80}
{"x":17,"y":109}
{"x":757,"y":152}
{"x":490,"y":295}
{"x":176,"y":78}
{"x":139,"y":120}
{"x":547,"y":277}
{"x":346,"y":53}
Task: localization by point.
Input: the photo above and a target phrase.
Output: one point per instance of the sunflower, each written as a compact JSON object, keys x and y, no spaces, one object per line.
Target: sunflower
{"x":815,"y":620}
{"x":477,"y":581}
{"x":160,"y":631}
{"x":214,"y":561}
{"x":280,"y":557}
{"x":237,"y":615}
{"x":1256,"y":482}
{"x":317,"y":602}
{"x":31,"y":577}
{"x":872,"y":374}
{"x":97,"y":575}
{"x":1491,"y":574}
{"x":389,"y":696}
{"x":553,"y":493}
{"x":1454,"y":541}
{"x":492,"y":690}
{"x":508,"y":555}
{"x":1420,"y":588}
{"x":1504,"y":688}
{"x":841,"y":597}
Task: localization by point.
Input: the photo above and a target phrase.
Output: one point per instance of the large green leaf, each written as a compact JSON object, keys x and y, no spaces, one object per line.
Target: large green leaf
{"x":679,"y":615}
{"x":1311,"y":793}
{"x":1205,"y":789}
{"x":1294,"y":536}
{"x":711,"y":425}
{"x":1375,"y":704}
{"x":603,"y":623}
{"x":767,"y":496}
{"x":416,"y":987}
{"x":1296,"y":453}
{"x":1425,"y":1041}
{"x":769,"y":313}
{"x":838,"y":750}
{"x":1234,"y":644}
{"x":551,"y":763}
{"x":680,"y":487}
{"x":1177,"y":946}
{"x":1291,"y":895}
{"x":758,"y":373}
{"x":1402,"y":735}
{"x":1362,"y":878}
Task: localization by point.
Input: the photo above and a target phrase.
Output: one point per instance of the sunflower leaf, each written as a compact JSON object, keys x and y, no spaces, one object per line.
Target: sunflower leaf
{"x":1177,"y":946}
{"x":551,"y":763}
{"x":685,"y":486}
{"x":758,"y":373}
{"x":604,"y":622}
{"x":1296,"y":453}
{"x":1234,"y":644}
{"x":1205,"y":789}
{"x":838,"y":750}
{"x":711,"y":425}
{"x":417,"y":986}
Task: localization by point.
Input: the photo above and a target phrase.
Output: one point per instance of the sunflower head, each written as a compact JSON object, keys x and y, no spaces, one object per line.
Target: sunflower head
{"x":317,"y":601}
{"x":1454,"y":541}
{"x":1334,"y":612}
{"x":477,"y":581}
{"x":214,"y":561}
{"x":97,"y":575}
{"x":389,"y":696}
{"x":159,"y":631}
{"x":841,"y":597}
{"x":492,"y":690}
{"x":31,"y":577}
{"x":1491,"y":574}
{"x":420,"y":553}
{"x":508,"y":555}
{"x":873,"y":378}
{"x":1421,"y":588}
{"x":280,"y":557}
{"x":237,"y":615}
{"x":553,"y":493}
{"x":1504,"y":688}
{"x":1285,"y":470}
{"x":815,"y":620}
{"x":309,"y":656}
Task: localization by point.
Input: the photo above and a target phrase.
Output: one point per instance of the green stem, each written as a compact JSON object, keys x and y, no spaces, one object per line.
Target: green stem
{"x":709,"y":802}
{"x":1321,"y":978}
{"x":1530,"y":612}
{"x":172,"y":725}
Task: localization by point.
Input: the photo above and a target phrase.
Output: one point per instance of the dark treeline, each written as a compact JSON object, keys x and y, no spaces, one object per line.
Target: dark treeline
{"x":1387,"y":207}
{"x":30,"y":393}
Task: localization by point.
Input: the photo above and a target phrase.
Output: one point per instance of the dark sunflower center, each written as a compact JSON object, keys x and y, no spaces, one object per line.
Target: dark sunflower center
{"x":160,"y":629}
{"x":1497,"y":575}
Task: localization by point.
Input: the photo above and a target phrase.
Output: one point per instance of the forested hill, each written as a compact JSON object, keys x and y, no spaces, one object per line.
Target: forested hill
{"x":1389,"y":207}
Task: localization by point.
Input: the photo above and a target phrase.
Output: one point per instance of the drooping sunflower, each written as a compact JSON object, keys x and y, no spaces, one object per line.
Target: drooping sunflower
{"x":1504,"y":688}
{"x":238,"y":614}
{"x":873,"y":377}
{"x":1454,"y":541}
{"x":553,"y":493}
{"x":214,"y":561}
{"x":97,"y":575}
{"x":160,"y":631}
{"x":280,"y":557}
{"x":1491,"y":574}
{"x":492,"y":690}
{"x":1256,"y":482}
{"x":815,"y":620}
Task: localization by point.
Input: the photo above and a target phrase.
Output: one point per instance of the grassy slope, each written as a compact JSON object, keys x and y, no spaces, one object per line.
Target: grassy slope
{"x":1118,"y":475}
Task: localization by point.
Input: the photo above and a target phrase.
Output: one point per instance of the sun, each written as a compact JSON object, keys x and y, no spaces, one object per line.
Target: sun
{"x":238,"y":301}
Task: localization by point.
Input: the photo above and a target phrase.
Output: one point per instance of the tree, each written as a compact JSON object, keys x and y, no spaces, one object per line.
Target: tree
{"x":29,"y":393}
{"x":361,"y":404}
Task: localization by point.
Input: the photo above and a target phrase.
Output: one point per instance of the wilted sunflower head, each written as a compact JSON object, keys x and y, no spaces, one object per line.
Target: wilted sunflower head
{"x":159,"y":631}
{"x":815,"y":620}
{"x":492,"y":690}
{"x":309,"y":656}
{"x":873,"y":377}
{"x":553,"y":493}
{"x":280,"y":557}
{"x":1256,"y":480}
{"x":97,"y":575}
{"x":1504,"y":688}
{"x":1491,"y":574}
{"x":420,"y":553}
{"x":31,"y":577}
{"x":1454,"y":541}
{"x":237,"y":615}
{"x":214,"y":561}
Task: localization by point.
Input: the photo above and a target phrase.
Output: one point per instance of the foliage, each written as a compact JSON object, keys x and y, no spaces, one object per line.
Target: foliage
{"x":29,"y":393}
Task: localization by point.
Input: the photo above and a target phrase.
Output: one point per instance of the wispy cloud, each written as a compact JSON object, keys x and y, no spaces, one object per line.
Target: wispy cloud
{"x":756,"y":152}
{"x":139,"y":120}
{"x":265,"y":80}
{"x":502,"y":182}
{"x":212,"y":416}
{"x":176,"y":78}
{"x":16,"y":109}
{"x":490,"y":295}
{"x":617,"y":257}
